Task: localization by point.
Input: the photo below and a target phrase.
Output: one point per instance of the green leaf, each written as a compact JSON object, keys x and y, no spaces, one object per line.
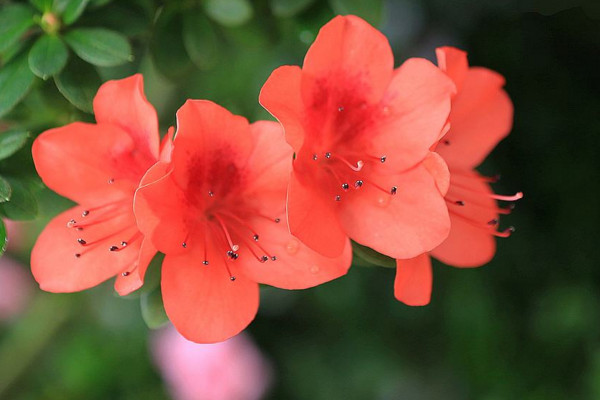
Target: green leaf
{"x":153,"y":309}
{"x":5,"y":190}
{"x":15,"y":81}
{"x":99,"y":46}
{"x":15,"y":19}
{"x":48,"y":56}
{"x":229,"y":12}
{"x":200,"y":40}
{"x":370,"y":257}
{"x":42,"y":5}
{"x":11,"y":142}
{"x":370,"y":10}
{"x":167,"y":48}
{"x":289,"y":8}
{"x":22,"y":204}
{"x":3,"y":238}
{"x":70,"y":10}
{"x":78,"y":82}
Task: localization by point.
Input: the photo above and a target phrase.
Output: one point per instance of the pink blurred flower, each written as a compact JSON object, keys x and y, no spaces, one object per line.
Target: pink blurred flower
{"x":16,"y":232}
{"x":15,"y":288}
{"x":230,"y":370}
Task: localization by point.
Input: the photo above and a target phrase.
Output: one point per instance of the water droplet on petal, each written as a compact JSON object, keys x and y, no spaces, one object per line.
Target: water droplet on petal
{"x":292,"y":246}
{"x":315,"y":269}
{"x":235,"y":247}
{"x":383,"y":201}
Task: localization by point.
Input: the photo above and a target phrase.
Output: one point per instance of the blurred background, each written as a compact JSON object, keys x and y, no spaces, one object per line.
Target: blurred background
{"x":525,"y":326}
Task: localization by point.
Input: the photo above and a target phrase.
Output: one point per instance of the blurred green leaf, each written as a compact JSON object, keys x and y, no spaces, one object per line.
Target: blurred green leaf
{"x":15,"y":19}
{"x":22,"y":204}
{"x":5,"y":190}
{"x":70,"y":10}
{"x":3,"y":238}
{"x":370,"y":10}
{"x":167,"y":48}
{"x":42,"y":5}
{"x":153,"y":309}
{"x":11,"y":142}
{"x":371,"y":257}
{"x":200,"y":39}
{"x":78,"y":82}
{"x":15,"y":81}
{"x":99,"y":46}
{"x":48,"y":56}
{"x":289,"y":8}
{"x":229,"y":12}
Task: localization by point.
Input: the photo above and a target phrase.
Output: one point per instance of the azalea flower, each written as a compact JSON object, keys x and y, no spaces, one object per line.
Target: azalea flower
{"x":362,"y":133}
{"x":98,"y":166}
{"x":231,"y":370}
{"x":481,"y":116}
{"x":217,"y":210}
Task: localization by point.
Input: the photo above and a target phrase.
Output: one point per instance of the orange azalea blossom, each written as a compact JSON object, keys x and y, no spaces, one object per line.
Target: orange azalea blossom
{"x":217,"y":210}
{"x":481,"y":116}
{"x":99,"y":166}
{"x":362,"y":133}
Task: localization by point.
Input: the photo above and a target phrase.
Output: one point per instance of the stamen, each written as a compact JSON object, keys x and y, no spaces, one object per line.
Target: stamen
{"x":345,"y":186}
{"x":85,"y":213}
{"x":233,"y":246}
{"x":394,"y":190}
{"x":505,"y":233}
{"x":358,"y":184}
{"x":111,"y":181}
{"x":314,"y":157}
{"x":514,"y":197}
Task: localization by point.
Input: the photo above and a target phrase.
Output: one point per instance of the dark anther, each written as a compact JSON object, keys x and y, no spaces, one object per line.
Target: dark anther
{"x":77,"y":255}
{"x":315,"y":157}
{"x":210,"y":193}
{"x":126,"y":273}
{"x":232,"y":278}
{"x":358,"y":184}
{"x":85,"y":213}
{"x":394,"y":190}
{"x":81,"y":241}
{"x":328,"y":155}
{"x":264,"y":259}
{"x":277,"y":220}
{"x":123,"y":244}
{"x":184,"y":245}
{"x":113,"y":248}
{"x":255,"y":237}
{"x":111,"y":181}
{"x":340,"y":109}
{"x":459,"y":203}
{"x":205,"y":262}
{"x":345,"y":186}
{"x":338,"y":198}
{"x":447,"y":142}
{"x":382,"y":159}
{"x":493,"y":222}
{"x":274,"y":258}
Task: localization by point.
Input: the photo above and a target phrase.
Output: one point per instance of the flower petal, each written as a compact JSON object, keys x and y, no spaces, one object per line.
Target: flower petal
{"x":470,"y":242}
{"x":347,"y":48}
{"x":123,"y":103}
{"x":481,"y":116}
{"x":89,"y":164}
{"x":53,"y":259}
{"x":414,"y":111}
{"x":438,"y":170}
{"x":454,"y":63}
{"x":414,"y":279}
{"x":160,"y":217}
{"x":314,"y":220}
{"x":202,"y":302}
{"x":296,"y":266}
{"x":413,"y":221}
{"x":280,"y":95}
{"x":130,"y":281}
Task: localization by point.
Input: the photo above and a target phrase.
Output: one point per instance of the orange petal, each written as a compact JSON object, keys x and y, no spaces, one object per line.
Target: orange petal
{"x":414,"y":112}
{"x":79,"y":161}
{"x":160,"y":209}
{"x":53,"y":259}
{"x":202,"y":302}
{"x":413,"y":221}
{"x":470,"y":242}
{"x":296,"y":266}
{"x":314,"y":220}
{"x":130,"y":281}
{"x":438,"y":169}
{"x":482,"y":115}
{"x":414,"y":279}
{"x":280,"y":95}
{"x":454,"y":63}
{"x":123,"y":103}
{"x":348,"y":48}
